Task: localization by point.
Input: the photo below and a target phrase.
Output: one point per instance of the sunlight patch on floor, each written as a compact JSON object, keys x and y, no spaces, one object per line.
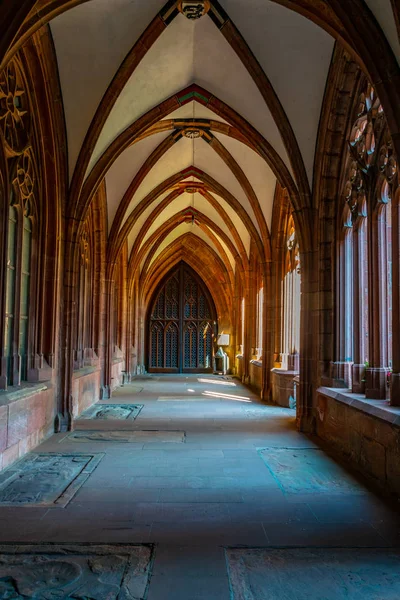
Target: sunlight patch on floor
{"x":222,"y":396}
{"x":217,"y":382}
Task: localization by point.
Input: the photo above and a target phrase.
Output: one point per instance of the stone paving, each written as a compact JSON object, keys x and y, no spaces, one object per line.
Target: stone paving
{"x":224,"y":486}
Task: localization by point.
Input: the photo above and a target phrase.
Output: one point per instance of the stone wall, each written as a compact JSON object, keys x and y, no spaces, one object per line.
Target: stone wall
{"x":26,"y":419}
{"x":117,"y":371}
{"x":85,"y":389}
{"x":367,"y":432}
{"x":255,"y":373}
{"x":282,"y":383}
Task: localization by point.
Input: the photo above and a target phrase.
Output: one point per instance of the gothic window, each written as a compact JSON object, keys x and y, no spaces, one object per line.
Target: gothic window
{"x":242,"y":326}
{"x":84,"y":328}
{"x":291,"y":296}
{"x":260,"y":309}
{"x":25,"y":286}
{"x":181,"y":325}
{"x":19,"y":265}
{"x":364,"y":320}
{"x":10,"y":289}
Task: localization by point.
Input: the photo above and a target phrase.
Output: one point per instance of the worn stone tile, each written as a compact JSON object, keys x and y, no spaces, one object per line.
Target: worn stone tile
{"x":272,"y":512}
{"x":262,"y":574}
{"x":354,"y":510}
{"x":200,"y":495}
{"x":126,"y":437}
{"x":209,"y":534}
{"x":45,"y":479}
{"x":187,"y":572}
{"x":107,"y":412}
{"x":84,"y":571}
{"x":323,"y":534}
{"x":123,"y":494}
{"x":308,"y":471}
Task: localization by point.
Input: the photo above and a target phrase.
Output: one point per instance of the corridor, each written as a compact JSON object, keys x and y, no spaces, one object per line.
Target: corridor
{"x":234,"y":502}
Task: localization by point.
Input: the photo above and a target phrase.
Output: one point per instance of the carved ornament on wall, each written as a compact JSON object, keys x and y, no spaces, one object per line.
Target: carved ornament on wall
{"x":14,"y":119}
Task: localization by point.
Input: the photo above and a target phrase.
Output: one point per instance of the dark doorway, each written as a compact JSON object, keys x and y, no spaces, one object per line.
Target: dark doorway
{"x":181,"y":324}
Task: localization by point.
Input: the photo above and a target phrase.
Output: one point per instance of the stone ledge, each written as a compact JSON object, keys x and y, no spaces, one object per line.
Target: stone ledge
{"x":379,"y":409}
{"x":284,"y":373}
{"x":84,"y":371}
{"x":256,"y":363}
{"x":24,"y":391}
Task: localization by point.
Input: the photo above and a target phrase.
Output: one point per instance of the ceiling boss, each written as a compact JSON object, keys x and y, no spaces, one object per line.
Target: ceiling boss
{"x":194,"y":10}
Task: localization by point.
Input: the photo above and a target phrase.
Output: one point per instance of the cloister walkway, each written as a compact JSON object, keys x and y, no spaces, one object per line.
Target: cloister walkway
{"x":205,"y":467}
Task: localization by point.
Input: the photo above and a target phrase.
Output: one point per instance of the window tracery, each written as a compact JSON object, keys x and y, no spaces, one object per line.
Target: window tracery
{"x":14,"y":114}
{"x":364,"y":267}
{"x":18,"y":342}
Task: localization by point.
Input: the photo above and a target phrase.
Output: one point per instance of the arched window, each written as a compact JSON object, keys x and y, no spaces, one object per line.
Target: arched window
{"x":25,"y":287}
{"x":18,"y":307}
{"x":242,"y":328}
{"x":290,"y":290}
{"x":260,"y":323}
{"x":10,"y":290}
{"x":84,"y":329}
{"x":364,"y":319}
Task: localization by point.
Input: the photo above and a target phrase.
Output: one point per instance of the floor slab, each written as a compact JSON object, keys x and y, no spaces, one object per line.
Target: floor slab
{"x":218,"y":489}
{"x":111,"y":411}
{"x":84,"y":571}
{"x":301,"y":574}
{"x":49,"y":479}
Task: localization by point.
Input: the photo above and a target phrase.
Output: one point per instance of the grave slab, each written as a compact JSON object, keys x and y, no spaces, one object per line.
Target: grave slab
{"x":126,"y":437}
{"x":78,"y":571}
{"x":301,"y":574}
{"x":108,"y":412}
{"x":47,"y":479}
{"x":308,"y":471}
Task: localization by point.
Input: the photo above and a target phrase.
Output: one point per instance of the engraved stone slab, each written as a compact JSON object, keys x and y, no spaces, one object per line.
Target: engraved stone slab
{"x":301,"y":574}
{"x":127,"y":437}
{"x":46,"y":479}
{"x":112,"y":411}
{"x":78,"y":571}
{"x":308,"y":471}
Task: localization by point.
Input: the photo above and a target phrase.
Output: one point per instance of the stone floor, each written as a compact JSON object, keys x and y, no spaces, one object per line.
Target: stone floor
{"x":233,"y":473}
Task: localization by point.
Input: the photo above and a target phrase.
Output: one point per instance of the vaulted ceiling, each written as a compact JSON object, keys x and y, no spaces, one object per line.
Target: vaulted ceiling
{"x":191,"y":122}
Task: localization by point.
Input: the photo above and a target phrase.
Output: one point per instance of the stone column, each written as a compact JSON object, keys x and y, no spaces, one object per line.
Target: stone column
{"x":64,"y":418}
{"x":395,"y":376}
{"x":342,"y":366}
{"x":376,"y":374}
{"x":305,"y":415}
{"x":359,"y":305}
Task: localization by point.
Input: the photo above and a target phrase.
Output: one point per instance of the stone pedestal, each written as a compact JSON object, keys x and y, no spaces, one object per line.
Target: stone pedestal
{"x":395,"y":389}
{"x":342,"y":372}
{"x":358,"y":379}
{"x":376,"y":383}
{"x":283,"y":387}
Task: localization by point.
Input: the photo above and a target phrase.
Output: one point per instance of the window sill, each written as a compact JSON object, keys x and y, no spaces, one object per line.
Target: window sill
{"x":380,"y":409}
{"x":13,"y":394}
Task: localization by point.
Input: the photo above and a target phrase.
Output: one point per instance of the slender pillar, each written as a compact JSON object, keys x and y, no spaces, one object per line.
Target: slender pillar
{"x":376,"y":374}
{"x":395,"y":376}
